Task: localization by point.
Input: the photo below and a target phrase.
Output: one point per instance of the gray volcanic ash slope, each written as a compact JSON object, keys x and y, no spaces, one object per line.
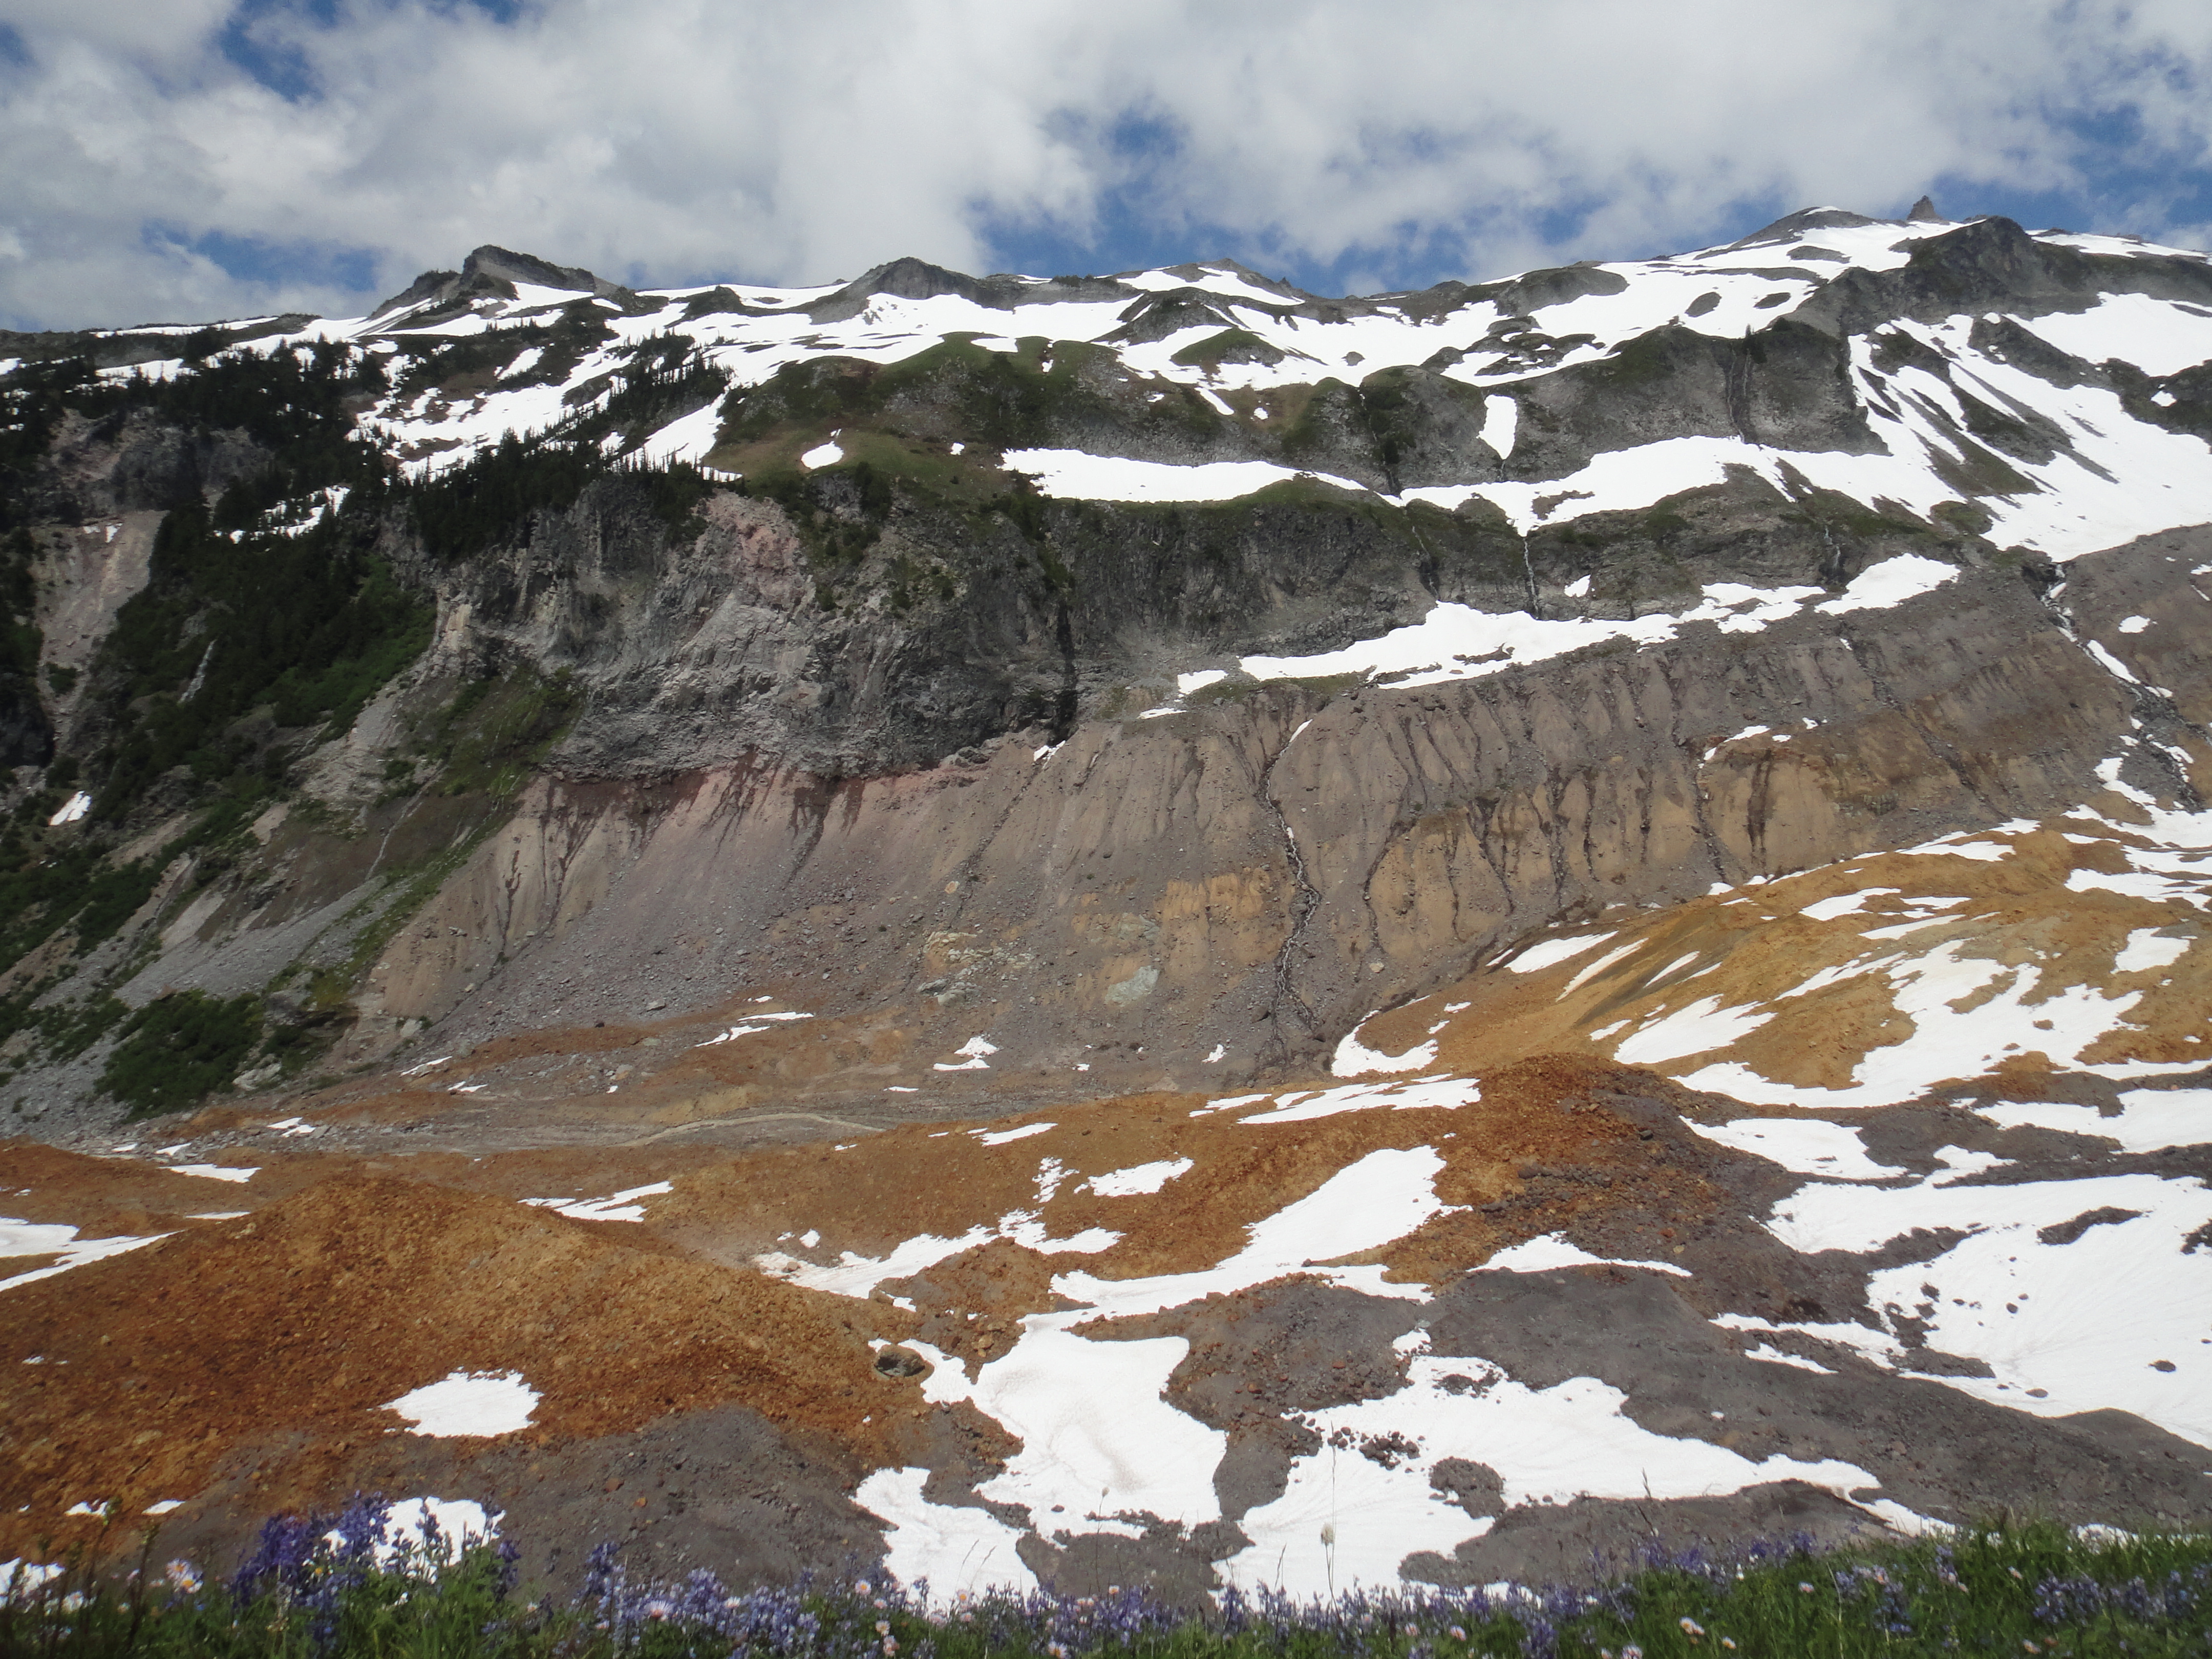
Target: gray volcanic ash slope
{"x":1658,"y":797}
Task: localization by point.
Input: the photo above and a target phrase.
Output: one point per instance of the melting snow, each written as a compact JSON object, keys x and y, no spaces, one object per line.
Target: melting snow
{"x":1548,"y":953}
{"x":2149,"y":1119}
{"x":621,"y":1206}
{"x":1099,"y":1441}
{"x":1702,"y":1026}
{"x":1345,"y":1519}
{"x":2089,"y":1322}
{"x":975,"y":1050}
{"x":72,"y":809}
{"x":1828,"y":909}
{"x":1893,"y":581}
{"x":1582,"y":976}
{"x":2158,"y":337}
{"x":1537,"y":1256}
{"x":1096,"y":1431}
{"x":1139,"y":1178}
{"x":1501,"y":416}
{"x":1458,"y":642}
{"x":752,"y":1025}
{"x":857,"y":1275}
{"x":1808,"y":1146}
{"x":214,"y":1172}
{"x":2007,"y":1009}
{"x":1000,"y":1137}
{"x":1304,"y":1106}
{"x":57,"y":1238}
{"x":21,"y":1576}
{"x":460,"y":1521}
{"x":2148,"y":948}
{"x":955,"y":1548}
{"x":1074,"y":474}
{"x":1355,"y":1059}
{"x":469,"y":1404}
{"x":1774,"y":1356}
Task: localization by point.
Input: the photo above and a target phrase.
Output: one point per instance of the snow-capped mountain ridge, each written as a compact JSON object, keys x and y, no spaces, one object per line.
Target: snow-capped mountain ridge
{"x":2050,"y":381}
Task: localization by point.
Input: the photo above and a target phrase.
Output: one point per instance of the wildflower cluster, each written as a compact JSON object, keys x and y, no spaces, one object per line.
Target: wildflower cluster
{"x":2082,"y":1599}
{"x":310,"y":1564}
{"x":328,"y":1586}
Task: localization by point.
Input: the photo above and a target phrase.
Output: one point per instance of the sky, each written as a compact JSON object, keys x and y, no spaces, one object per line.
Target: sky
{"x":187,"y":160}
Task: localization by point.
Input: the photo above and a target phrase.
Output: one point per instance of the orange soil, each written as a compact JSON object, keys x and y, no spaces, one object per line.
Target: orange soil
{"x":316,"y":1310}
{"x":355,"y":1280}
{"x":1747,"y":947}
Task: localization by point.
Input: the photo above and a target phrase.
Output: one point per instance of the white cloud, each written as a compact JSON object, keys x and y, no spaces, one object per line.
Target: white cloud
{"x":799,"y":142}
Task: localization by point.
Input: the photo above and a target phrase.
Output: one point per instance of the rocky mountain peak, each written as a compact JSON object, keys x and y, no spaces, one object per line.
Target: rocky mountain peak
{"x":489,"y":273}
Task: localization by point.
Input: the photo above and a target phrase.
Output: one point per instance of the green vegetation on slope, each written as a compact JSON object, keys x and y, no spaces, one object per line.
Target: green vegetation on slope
{"x":308,"y":626}
{"x":315,"y":1586}
{"x":179,"y":1048}
{"x":268,"y":619}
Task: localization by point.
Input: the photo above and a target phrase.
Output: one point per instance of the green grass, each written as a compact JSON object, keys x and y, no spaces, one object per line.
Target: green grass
{"x":2033,"y":1589}
{"x":1231,"y":345}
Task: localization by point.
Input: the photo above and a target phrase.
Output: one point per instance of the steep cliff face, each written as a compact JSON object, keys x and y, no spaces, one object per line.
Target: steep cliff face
{"x":1139,"y":878}
{"x":1361,"y":636}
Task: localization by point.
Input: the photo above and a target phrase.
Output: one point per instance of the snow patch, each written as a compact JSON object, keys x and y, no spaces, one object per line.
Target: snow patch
{"x":1501,"y":415}
{"x":1538,"y":1256}
{"x":1139,"y":1178}
{"x":1000,"y":1137}
{"x":1355,"y":1059}
{"x":2157,"y":336}
{"x":468,"y":1405}
{"x":1699,"y":1028}
{"x":1548,"y":953}
{"x":1845,"y":905}
{"x":59,"y":1238}
{"x":1806,"y":1145}
{"x":2149,"y":1119}
{"x":974,"y":1053}
{"x":1071,"y":474}
{"x":1891,"y":582}
{"x":955,"y":1548}
{"x":621,"y":1206}
{"x":1346,"y":1519}
{"x":2148,"y":948}
{"x":1420,"y":1093}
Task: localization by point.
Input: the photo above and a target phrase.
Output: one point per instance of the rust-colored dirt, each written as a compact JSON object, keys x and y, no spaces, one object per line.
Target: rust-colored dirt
{"x":315,"y":1311}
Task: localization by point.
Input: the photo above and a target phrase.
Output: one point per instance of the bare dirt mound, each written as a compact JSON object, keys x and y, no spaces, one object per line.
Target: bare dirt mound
{"x":313,"y":1314}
